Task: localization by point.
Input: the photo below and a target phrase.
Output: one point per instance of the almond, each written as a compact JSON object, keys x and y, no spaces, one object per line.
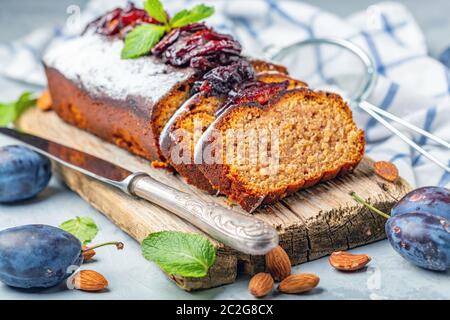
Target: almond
{"x":44,"y":102}
{"x":87,"y":254}
{"x":260,"y":284}
{"x":89,"y":280}
{"x":345,"y":261}
{"x":278,"y":263}
{"x":298,"y":283}
{"x":387,"y":170}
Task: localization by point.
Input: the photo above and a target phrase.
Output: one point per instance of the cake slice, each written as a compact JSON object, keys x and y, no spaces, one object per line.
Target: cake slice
{"x":302,"y":137}
{"x":178,"y":137}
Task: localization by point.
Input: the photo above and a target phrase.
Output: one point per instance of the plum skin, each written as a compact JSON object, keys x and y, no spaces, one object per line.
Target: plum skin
{"x":431,"y":200}
{"x":23,"y":173}
{"x":421,"y":238}
{"x":37,"y":256}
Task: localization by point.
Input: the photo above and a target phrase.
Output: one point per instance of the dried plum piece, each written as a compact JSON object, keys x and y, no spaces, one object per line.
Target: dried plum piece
{"x":203,"y":43}
{"x":224,"y":79}
{"x":174,"y":35}
{"x":208,"y":62}
{"x":119,"y":21}
{"x":253,"y":91}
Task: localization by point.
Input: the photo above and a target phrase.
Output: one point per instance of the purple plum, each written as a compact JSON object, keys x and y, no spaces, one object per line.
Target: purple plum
{"x":421,"y":238}
{"x":431,"y":200}
{"x":37,"y":256}
{"x":23,"y":173}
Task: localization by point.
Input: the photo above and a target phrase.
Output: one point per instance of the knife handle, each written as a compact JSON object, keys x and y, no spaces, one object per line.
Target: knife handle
{"x":242,"y":232}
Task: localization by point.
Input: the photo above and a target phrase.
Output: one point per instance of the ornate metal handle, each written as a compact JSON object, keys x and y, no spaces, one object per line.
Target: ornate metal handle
{"x":244,"y":233}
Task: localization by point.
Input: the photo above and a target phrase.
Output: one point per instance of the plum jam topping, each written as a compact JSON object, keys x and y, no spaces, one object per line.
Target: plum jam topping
{"x":118,"y":22}
{"x":170,"y":38}
{"x":225,"y":79}
{"x":253,"y":91}
{"x":198,"y":47}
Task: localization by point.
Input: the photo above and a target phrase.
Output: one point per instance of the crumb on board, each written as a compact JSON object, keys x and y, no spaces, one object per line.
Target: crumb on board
{"x":162,"y":165}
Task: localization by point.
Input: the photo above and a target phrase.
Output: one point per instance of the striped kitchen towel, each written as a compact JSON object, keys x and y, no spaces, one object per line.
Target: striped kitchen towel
{"x":411,"y":84}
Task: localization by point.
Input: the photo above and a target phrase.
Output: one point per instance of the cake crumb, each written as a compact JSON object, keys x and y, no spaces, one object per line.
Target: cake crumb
{"x":162,"y":165}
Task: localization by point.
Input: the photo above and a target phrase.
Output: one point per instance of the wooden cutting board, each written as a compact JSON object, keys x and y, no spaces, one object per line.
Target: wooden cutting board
{"x":311,"y":223}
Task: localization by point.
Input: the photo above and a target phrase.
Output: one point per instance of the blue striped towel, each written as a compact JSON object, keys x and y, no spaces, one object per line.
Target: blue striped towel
{"x":411,"y":84}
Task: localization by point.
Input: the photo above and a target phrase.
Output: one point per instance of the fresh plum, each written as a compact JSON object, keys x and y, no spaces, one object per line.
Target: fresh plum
{"x":23,"y":173}
{"x":421,"y":238}
{"x":431,"y":200}
{"x":37,"y":256}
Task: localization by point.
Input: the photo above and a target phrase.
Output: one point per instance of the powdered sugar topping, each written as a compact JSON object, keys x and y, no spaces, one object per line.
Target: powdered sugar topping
{"x":93,"y":62}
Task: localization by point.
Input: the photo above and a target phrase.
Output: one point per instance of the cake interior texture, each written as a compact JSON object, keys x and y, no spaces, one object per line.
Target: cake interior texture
{"x":316,"y":139}
{"x":169,"y":105}
{"x":203,"y":112}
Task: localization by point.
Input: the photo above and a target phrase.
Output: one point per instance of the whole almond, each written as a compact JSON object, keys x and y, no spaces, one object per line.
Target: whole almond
{"x":87,"y":254}
{"x":260,"y":284}
{"x":387,"y":170}
{"x":298,"y":283}
{"x":89,"y":280}
{"x":278,"y":263}
{"x":345,"y":261}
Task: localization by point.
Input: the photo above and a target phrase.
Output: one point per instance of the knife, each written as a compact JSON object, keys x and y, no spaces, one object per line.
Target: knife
{"x":244,"y":233}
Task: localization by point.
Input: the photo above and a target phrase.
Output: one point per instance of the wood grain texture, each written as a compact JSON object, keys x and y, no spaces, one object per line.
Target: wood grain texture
{"x":311,"y":223}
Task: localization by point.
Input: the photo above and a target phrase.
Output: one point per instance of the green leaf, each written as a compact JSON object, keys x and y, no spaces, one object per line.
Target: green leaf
{"x":178,"y":253}
{"x":10,"y":112}
{"x":7,"y":113}
{"x":84,"y":228}
{"x":196,"y":14}
{"x":141,"y":40}
{"x":155,"y":10}
{"x":179,"y":16}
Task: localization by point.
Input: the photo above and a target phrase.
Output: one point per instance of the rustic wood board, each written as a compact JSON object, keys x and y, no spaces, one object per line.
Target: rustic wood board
{"x":311,"y":223}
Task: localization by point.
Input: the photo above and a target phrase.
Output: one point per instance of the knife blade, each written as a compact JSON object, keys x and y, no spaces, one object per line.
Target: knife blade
{"x":244,"y":233}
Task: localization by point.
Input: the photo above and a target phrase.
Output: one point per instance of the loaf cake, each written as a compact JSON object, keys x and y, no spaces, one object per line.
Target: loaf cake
{"x":196,"y":76}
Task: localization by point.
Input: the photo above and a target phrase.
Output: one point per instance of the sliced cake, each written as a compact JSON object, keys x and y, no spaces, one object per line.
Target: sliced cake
{"x":182,"y":131}
{"x":139,"y":79}
{"x":310,"y":137}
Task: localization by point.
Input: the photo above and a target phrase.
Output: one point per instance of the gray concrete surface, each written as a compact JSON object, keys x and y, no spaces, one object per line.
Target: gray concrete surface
{"x":132,"y":277}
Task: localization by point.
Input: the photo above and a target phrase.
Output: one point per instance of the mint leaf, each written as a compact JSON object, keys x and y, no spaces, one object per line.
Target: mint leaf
{"x":10,"y":112}
{"x":155,"y":10}
{"x":185,"y":17}
{"x":178,"y":17}
{"x":84,"y":228}
{"x":141,"y":40}
{"x":178,"y":253}
{"x":25,"y":101}
{"x":144,"y":37}
{"x":7,"y":113}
